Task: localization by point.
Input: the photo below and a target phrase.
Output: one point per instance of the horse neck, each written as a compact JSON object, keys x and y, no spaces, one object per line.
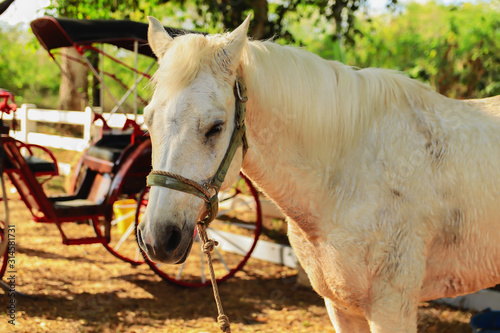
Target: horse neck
{"x":276,"y":165}
{"x":294,"y":155}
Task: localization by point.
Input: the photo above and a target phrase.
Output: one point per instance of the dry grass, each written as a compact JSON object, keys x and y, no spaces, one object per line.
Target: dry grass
{"x":85,"y":289}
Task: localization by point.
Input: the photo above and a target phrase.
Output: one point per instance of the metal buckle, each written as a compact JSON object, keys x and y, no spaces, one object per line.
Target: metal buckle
{"x":238,"y":91}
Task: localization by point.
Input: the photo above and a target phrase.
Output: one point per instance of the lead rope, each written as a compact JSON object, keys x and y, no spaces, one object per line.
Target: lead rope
{"x":207,"y":247}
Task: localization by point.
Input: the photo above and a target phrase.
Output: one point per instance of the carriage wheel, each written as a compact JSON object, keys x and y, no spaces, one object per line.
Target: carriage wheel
{"x":5,"y":258}
{"x":123,"y":243}
{"x":236,"y":228}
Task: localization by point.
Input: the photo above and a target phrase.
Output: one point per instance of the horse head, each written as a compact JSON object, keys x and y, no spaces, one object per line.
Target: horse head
{"x":192,"y":122}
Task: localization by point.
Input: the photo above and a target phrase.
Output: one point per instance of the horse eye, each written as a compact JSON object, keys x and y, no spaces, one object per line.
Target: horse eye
{"x":216,"y":129}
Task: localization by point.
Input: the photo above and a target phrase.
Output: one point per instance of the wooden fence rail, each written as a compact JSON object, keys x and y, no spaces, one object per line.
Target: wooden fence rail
{"x":28,"y":116}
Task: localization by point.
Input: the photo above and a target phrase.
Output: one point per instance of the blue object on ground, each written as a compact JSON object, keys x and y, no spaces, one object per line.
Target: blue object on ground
{"x":486,"y":322}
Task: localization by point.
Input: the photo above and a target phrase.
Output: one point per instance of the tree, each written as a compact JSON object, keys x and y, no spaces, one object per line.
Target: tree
{"x":74,"y":84}
{"x":270,"y":19}
{"x":452,"y":47}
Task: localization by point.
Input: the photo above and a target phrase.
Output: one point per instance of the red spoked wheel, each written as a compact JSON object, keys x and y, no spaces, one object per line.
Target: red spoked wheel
{"x":236,"y":229}
{"x":123,"y":243}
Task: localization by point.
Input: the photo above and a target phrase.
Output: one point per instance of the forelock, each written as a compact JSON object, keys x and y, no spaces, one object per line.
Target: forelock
{"x":187,"y":56}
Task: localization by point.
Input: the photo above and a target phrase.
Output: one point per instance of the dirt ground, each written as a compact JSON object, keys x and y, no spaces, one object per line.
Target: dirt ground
{"x":85,"y":289}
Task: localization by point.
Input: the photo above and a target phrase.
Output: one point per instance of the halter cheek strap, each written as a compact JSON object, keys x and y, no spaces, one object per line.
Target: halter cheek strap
{"x":182,"y":184}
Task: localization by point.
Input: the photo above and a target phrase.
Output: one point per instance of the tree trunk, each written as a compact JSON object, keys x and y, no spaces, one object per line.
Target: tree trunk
{"x":73,"y":92}
{"x":260,"y":20}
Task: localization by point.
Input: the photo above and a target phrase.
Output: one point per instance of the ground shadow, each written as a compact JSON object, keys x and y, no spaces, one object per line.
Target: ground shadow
{"x":53,"y":255}
{"x":242,"y":298}
{"x":440,"y":324}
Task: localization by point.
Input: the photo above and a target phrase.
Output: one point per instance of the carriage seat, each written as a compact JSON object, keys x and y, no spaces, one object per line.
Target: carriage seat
{"x":87,"y":201}
{"x":103,"y":155}
{"x":110,"y":147}
{"x":37,"y":165}
{"x":66,"y":208}
{"x":40,"y":166}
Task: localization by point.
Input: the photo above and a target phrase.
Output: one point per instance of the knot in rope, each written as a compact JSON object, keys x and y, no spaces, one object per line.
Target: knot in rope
{"x":209,"y":245}
{"x":224,"y":325}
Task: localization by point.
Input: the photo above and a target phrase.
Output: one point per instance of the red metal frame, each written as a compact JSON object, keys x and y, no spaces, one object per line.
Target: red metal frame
{"x":45,"y":209}
{"x":4,"y":105}
{"x":103,"y":181}
{"x":32,"y":194}
{"x":29,"y":147}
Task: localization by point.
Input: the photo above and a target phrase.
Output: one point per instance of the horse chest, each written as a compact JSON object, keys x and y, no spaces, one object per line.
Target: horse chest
{"x":326,"y":270}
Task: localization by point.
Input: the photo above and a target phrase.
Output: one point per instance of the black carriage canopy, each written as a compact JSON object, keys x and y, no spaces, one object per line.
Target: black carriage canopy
{"x":53,"y":33}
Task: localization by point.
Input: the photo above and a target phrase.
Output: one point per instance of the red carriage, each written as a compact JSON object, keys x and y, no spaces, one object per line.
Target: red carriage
{"x":115,"y":166}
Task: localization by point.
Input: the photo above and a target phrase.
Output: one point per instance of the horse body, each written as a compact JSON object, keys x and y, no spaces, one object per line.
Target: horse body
{"x":409,"y":212}
{"x":391,"y":190}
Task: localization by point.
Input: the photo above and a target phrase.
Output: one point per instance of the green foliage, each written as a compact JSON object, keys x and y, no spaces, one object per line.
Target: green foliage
{"x":270,"y":18}
{"x":26,"y":72}
{"x":136,"y":10}
{"x":455,"y":48}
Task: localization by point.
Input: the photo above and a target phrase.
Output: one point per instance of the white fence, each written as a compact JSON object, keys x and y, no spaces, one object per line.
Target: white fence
{"x":29,"y":115}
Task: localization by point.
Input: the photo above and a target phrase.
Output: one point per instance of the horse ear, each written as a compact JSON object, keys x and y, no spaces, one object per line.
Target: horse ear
{"x":237,"y":40}
{"x":158,"y":37}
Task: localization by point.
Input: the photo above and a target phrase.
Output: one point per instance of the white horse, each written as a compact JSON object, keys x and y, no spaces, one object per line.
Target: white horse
{"x":392,"y":191}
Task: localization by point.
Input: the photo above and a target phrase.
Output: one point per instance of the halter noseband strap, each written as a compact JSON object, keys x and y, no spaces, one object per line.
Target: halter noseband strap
{"x":179,"y":183}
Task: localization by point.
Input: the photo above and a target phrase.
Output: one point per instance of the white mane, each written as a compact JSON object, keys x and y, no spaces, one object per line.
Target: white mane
{"x":329,"y":103}
{"x":324,"y":102}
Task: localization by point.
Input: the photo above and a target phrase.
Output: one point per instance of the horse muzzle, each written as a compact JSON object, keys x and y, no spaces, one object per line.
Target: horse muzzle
{"x":170,"y":244}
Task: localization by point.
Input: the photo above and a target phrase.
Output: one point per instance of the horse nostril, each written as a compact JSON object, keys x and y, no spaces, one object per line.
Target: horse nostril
{"x":142,"y":244}
{"x":138,"y":236}
{"x":173,"y":239}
